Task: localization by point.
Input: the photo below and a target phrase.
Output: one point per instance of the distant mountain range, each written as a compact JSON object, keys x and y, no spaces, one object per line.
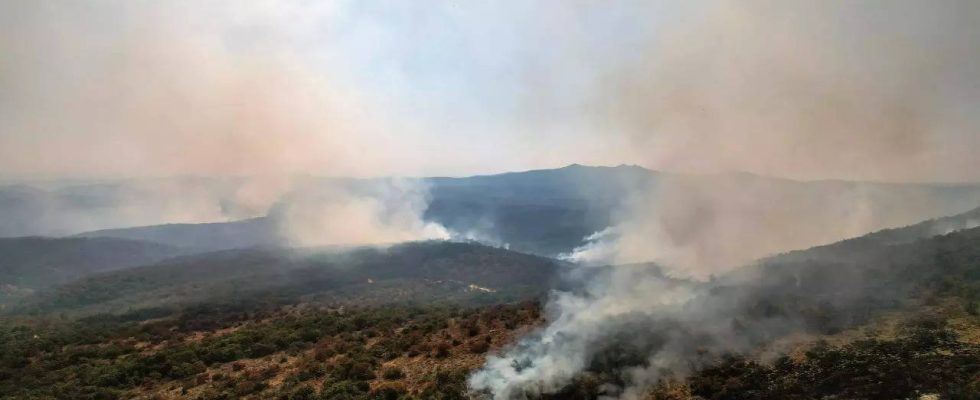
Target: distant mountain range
{"x":544,"y":212}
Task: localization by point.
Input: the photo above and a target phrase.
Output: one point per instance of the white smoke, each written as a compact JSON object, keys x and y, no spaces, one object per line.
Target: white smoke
{"x":943,"y":228}
{"x":580,"y":323}
{"x":383,"y":211}
{"x":599,"y":247}
{"x":857,"y":90}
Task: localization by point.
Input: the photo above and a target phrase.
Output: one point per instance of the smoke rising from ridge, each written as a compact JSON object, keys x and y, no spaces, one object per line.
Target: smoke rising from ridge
{"x":857,"y":90}
{"x":387,"y":211}
{"x":866,"y":90}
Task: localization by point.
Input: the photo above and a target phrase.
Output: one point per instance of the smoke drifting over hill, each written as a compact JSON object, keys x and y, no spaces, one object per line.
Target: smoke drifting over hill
{"x":862,"y":90}
{"x":714,"y":93}
{"x":101,"y":90}
{"x":387,"y":211}
{"x":870,"y":90}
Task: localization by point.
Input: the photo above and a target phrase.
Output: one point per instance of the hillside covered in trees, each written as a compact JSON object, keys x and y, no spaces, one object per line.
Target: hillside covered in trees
{"x":413,"y":320}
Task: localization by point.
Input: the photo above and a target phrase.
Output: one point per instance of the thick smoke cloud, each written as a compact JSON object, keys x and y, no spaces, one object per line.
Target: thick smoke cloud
{"x":98,"y":89}
{"x":854,"y":90}
{"x":106,"y":90}
{"x":699,"y":225}
{"x":864,"y":91}
{"x":871,"y":90}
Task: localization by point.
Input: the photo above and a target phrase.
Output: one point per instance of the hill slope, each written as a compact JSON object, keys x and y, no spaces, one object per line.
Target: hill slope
{"x":31,"y":263}
{"x":875,"y":241}
{"x":201,"y":237}
{"x":358,"y":345}
{"x":424,"y":271}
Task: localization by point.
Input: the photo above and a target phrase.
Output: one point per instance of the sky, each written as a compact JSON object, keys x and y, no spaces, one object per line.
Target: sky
{"x":102,"y":89}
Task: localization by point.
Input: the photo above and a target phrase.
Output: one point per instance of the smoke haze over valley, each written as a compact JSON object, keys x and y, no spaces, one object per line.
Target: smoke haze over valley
{"x":507,"y":200}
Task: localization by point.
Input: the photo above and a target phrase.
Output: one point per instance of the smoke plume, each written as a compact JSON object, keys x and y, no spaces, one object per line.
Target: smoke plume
{"x":863,"y":91}
{"x":853,"y":90}
{"x":385,"y":211}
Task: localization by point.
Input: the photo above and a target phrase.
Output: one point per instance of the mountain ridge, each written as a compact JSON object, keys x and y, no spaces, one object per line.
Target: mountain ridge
{"x":550,"y":211}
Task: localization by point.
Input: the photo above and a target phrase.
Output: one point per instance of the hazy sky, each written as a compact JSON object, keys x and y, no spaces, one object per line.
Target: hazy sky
{"x":148,"y":88}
